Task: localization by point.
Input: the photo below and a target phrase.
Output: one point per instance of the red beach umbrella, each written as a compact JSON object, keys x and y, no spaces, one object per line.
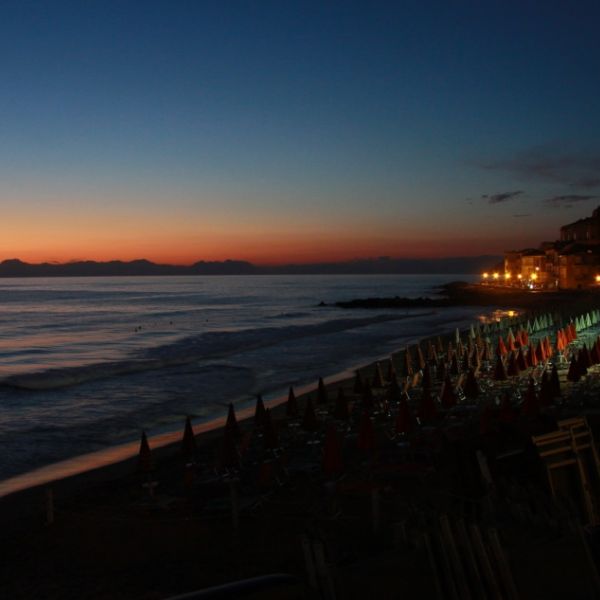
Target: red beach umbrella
{"x":291,"y":407}
{"x":366,"y":433}
{"x":548,"y":347}
{"x":471,"y":387}
{"x":229,"y":457}
{"x":341,"y":409}
{"x":555,"y":382}
{"x":454,"y":370}
{"x":521,"y":360}
{"x":540,"y":353}
{"x":188,"y":442}
{"x":322,"y":392}
{"x":513,"y":366}
{"x":448,"y":397}
{"x":530,"y":407}
{"x":332,"y":452}
{"x":420,"y":358}
{"x":500,"y":371}
{"x":270,"y":437}
{"x":426,"y":381}
{"x":560,"y":342}
{"x":404,"y":419}
{"x":531,"y":356}
{"x":145,"y":462}
{"x":574,"y":373}
{"x":545,"y":397}
{"x":427,"y":409}
{"x":391,"y":374}
{"x":232,"y":423}
{"x":501,"y":347}
{"x":358,"y":383}
{"x":309,"y":421}
{"x":582,"y":363}
{"x":259,"y":411}
{"x":367,"y":397}
{"x":408,"y":368}
{"x":377,"y":381}
{"x":507,"y":413}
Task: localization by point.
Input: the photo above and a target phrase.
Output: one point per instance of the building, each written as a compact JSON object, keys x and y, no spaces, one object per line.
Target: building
{"x":585,"y":230}
{"x":573,"y":262}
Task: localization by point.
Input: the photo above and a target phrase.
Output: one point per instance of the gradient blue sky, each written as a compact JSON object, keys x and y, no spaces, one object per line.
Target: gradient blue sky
{"x":280,"y":131}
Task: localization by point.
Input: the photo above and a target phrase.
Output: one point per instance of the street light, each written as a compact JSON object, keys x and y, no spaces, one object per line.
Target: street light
{"x":496,"y":275}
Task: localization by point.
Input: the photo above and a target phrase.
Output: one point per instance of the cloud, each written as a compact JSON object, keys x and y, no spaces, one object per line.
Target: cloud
{"x":574,"y":169}
{"x":503,"y":197}
{"x":567,"y":200}
{"x":522,"y":215}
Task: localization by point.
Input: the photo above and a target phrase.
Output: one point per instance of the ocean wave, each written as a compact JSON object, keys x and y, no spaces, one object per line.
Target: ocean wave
{"x":206,"y":346}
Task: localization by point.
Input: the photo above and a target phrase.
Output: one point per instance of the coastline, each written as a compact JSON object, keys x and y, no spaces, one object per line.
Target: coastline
{"x":107,"y":508}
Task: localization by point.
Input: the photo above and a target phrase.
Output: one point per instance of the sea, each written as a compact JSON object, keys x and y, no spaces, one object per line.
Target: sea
{"x":88,"y":363}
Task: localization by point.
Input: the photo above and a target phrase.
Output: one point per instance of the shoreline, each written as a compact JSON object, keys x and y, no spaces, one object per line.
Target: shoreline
{"x":166,"y":442}
{"x":101,"y":533}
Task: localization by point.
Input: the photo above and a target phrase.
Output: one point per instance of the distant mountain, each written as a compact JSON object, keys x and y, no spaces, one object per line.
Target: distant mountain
{"x":470,"y":264}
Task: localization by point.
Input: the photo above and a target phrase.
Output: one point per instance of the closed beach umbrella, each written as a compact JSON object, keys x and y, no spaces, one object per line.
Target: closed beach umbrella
{"x":332,"y":452}
{"x":540,"y":353}
{"x":420,"y":358}
{"x":427,"y":408}
{"x":367,"y":397}
{"x":358,"y":383}
{"x":394,"y":392}
{"x":574,"y":373}
{"x":341,"y":409}
{"x":259,"y":411}
{"x":555,"y":382}
{"x":521,"y":360}
{"x":291,"y":407}
{"x":404,"y":419}
{"x":582,"y":363}
{"x":500,"y":371}
{"x":545,"y":390}
{"x":377,"y":381}
{"x":448,"y":396}
{"x":426,"y":381}
{"x":145,"y":463}
{"x":408,"y":370}
{"x":270,"y":437}
{"x":309,"y":421}
{"x":228,"y":457}
{"x":366,"y":433}
{"x":322,"y":392}
{"x":507,"y":413}
{"x":232,"y":423}
{"x":530,"y":407}
{"x":454,"y":370}
{"x":471,"y":387}
{"x":513,"y":365}
{"x":188,"y":443}
{"x":501,"y":347}
{"x":391,"y":374}
{"x":531,"y":356}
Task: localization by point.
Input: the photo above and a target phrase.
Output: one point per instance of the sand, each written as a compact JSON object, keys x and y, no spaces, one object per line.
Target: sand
{"x":110,"y":539}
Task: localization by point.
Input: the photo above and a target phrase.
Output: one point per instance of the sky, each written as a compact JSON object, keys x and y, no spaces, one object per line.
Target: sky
{"x":283,"y":132}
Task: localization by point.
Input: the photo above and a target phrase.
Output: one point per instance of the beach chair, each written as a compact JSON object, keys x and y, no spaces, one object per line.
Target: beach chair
{"x":571,"y":450}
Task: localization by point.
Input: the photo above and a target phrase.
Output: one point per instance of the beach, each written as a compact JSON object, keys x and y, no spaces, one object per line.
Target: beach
{"x":378,"y":512}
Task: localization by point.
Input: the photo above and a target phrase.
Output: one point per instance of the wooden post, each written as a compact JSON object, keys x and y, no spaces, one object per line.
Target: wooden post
{"x":484,"y":561}
{"x":235,"y":507}
{"x":375,"y":509}
{"x":503,"y":565}
{"x":309,"y":562}
{"x":434,"y":567}
{"x":455,"y":562}
{"x":49,"y":506}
